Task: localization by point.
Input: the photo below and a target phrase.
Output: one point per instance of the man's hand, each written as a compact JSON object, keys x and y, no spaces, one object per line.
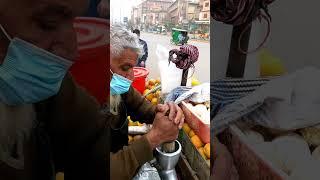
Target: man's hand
{"x":163,"y":130}
{"x":175,"y":113}
{"x":103,"y":8}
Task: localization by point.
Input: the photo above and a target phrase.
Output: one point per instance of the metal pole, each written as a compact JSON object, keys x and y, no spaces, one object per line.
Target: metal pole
{"x":237,"y":60}
{"x":184,"y":77}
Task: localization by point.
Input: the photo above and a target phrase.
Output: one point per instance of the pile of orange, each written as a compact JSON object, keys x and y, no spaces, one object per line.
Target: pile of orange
{"x":132,"y":138}
{"x":203,"y":149}
{"x":152,"y":97}
{"x":134,"y":123}
{"x":60,"y":176}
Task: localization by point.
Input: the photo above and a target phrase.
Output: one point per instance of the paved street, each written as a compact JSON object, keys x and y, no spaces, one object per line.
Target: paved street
{"x":202,"y":71}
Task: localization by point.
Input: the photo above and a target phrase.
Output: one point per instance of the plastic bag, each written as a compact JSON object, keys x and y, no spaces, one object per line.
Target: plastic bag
{"x":175,"y":93}
{"x":170,"y":75}
{"x":147,"y":172}
{"x":287,"y":103}
{"x":139,"y":129}
{"x":198,"y":94}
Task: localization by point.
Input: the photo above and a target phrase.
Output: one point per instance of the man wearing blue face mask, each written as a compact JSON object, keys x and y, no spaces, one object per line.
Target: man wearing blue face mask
{"x":126,"y":101}
{"x":47,"y":124}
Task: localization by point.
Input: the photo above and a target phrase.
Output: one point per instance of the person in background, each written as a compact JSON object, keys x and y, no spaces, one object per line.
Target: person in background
{"x":98,"y":9}
{"x":126,"y":101}
{"x":142,"y":60}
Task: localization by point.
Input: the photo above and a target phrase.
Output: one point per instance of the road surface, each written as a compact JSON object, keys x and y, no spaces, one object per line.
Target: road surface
{"x":202,"y":70}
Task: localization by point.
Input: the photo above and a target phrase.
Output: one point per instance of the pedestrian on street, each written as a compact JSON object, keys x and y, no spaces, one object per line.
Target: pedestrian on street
{"x":142,"y":60}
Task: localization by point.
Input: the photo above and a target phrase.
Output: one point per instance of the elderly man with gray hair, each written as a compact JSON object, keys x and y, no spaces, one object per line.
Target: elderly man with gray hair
{"x":126,"y":101}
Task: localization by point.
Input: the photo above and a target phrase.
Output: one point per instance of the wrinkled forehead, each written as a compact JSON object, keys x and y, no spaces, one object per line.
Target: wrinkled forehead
{"x":61,"y":7}
{"x":74,"y":7}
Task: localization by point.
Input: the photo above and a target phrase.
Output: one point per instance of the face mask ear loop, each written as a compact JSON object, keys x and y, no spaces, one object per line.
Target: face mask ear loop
{"x":5,"y":32}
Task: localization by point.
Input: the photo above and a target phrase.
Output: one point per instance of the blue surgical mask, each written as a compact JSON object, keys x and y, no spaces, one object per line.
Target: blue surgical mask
{"x":119,"y":84}
{"x":30,"y":74}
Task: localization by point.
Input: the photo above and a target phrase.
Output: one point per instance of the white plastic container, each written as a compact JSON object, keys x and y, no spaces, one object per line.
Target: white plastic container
{"x":170,"y":75}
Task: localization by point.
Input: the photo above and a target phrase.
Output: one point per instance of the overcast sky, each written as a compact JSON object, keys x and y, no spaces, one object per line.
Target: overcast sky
{"x":122,"y":8}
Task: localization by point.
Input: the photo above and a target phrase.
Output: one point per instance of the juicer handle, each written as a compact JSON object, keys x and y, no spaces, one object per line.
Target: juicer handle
{"x":168,"y":147}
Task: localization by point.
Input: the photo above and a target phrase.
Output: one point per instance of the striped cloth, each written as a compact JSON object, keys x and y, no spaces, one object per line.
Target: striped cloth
{"x":225,"y":94}
{"x":227,"y":91}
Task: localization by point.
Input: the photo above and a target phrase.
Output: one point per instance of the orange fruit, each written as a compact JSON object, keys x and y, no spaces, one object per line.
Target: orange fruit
{"x":130,"y":139}
{"x":60,"y":176}
{"x":158,"y":81}
{"x":131,"y":123}
{"x":150,"y":87}
{"x":150,"y":97}
{"x":154,"y":101}
{"x":147,"y":83}
{"x":201,"y":151}
{"x":152,"y":82}
{"x":186,"y":128}
{"x":207,"y":150}
{"x":196,"y":141}
{"x":139,"y":124}
{"x":158,"y":93}
{"x":137,"y":137}
{"x":191,"y":133}
{"x":145,"y":91}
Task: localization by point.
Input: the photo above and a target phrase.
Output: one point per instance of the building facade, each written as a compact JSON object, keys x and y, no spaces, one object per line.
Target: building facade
{"x":186,"y":14}
{"x":184,"y":11}
{"x":205,"y":10}
{"x":152,"y":12}
{"x":173,"y":12}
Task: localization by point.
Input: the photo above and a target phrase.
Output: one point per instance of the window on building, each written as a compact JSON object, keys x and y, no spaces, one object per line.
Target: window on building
{"x":205,"y":15}
{"x":206,"y":5}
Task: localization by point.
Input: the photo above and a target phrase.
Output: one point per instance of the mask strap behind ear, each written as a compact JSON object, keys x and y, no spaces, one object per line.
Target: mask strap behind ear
{"x":5,"y":32}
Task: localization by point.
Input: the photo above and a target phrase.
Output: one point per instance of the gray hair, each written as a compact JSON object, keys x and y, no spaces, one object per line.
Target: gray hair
{"x":121,"y":39}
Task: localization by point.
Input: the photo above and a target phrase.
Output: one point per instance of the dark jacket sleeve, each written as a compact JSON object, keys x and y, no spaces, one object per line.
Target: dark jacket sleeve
{"x":138,"y":107}
{"x":77,"y":132}
{"x":126,"y":162}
